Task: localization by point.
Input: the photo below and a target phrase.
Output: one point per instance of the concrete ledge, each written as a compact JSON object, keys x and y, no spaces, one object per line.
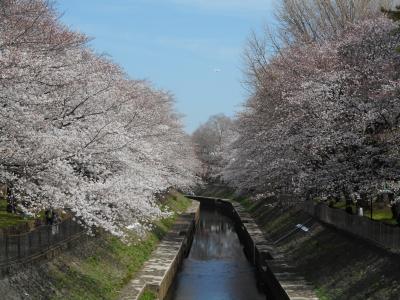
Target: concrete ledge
{"x":158,"y":273}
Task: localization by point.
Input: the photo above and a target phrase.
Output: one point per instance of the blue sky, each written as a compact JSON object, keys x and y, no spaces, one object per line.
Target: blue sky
{"x":192,"y":48}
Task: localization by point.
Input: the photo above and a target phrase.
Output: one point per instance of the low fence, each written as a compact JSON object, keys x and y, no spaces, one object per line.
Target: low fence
{"x":18,"y":247}
{"x":380,"y":233}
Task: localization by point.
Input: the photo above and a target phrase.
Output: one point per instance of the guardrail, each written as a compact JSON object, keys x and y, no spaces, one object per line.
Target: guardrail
{"x":18,"y":247}
{"x":385,"y":235}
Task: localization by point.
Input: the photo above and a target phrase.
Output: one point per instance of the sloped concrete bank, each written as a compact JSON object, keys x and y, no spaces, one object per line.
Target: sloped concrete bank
{"x":261,"y":253}
{"x":158,"y":273}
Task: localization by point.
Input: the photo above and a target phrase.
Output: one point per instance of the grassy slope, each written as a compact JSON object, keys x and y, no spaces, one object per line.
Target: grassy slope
{"x":107,"y":264}
{"x":7,"y":219}
{"x":148,"y":295}
{"x":383,"y":214}
{"x":339,"y":265}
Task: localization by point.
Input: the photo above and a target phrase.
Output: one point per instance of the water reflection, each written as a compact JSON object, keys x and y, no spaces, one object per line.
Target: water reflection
{"x":216,"y":268}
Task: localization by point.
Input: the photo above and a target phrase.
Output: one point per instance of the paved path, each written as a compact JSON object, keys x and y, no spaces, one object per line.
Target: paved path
{"x":159,"y":271}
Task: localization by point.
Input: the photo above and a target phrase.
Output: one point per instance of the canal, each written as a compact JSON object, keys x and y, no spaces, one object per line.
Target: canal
{"x":216,"y":267}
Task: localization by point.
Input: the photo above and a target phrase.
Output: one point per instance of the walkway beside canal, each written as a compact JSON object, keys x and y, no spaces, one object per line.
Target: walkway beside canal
{"x":159,"y":271}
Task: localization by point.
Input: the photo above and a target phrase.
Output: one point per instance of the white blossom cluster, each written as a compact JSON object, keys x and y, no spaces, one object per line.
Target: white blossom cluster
{"x":76,"y":133}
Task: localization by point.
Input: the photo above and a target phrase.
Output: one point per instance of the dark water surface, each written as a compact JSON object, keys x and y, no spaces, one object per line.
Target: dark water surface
{"x":216,"y":268}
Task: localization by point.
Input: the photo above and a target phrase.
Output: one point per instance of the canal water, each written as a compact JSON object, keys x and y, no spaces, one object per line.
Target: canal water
{"x":216,"y":268}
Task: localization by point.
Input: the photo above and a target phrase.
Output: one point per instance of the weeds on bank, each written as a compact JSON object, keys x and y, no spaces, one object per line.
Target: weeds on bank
{"x":104,"y":273}
{"x":148,"y":295}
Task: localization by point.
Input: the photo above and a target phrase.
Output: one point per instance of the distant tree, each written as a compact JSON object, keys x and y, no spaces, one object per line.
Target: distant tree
{"x":211,"y":141}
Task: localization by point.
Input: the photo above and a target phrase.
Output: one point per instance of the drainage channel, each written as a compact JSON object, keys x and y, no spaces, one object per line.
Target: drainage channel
{"x":216,"y":267}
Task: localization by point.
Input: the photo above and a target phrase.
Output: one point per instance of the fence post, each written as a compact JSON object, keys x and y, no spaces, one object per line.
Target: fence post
{"x":48,"y":236}
{"x":6,"y":245}
{"x":29,"y":243}
{"x":39,"y":238}
{"x":19,"y":246}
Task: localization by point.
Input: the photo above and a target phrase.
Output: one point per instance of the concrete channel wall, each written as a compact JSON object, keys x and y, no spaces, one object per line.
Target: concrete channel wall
{"x":159,"y":272}
{"x":384,"y":235}
{"x":256,"y":247}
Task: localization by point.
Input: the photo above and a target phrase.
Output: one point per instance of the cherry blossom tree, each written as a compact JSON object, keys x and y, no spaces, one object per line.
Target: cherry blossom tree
{"x":319,"y":20}
{"x":76,"y":132}
{"x":211,"y":141}
{"x":323,"y":116}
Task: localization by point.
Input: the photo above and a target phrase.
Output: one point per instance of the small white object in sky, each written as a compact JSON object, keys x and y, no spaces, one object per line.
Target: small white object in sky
{"x":217,"y":70}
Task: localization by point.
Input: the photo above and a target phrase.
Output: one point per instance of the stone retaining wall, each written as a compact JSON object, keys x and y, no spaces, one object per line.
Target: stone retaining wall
{"x":159,"y":272}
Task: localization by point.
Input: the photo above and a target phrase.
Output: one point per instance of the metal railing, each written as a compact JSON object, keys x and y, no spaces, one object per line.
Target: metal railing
{"x":385,"y":235}
{"x":17,"y":247}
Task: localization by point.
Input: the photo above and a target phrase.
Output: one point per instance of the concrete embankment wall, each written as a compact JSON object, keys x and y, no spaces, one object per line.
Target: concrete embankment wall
{"x":160,"y":270}
{"x":256,"y":247}
{"x":384,"y":235}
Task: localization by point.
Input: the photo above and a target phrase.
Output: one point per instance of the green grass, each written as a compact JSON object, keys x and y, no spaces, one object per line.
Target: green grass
{"x":322,"y":294}
{"x":341,"y":205}
{"x":7,"y":219}
{"x":112,"y":264}
{"x":176,"y":202}
{"x":384,"y":215}
{"x":378,"y":213}
{"x":246,"y":203}
{"x":148,"y":295}
{"x":103,"y":274}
